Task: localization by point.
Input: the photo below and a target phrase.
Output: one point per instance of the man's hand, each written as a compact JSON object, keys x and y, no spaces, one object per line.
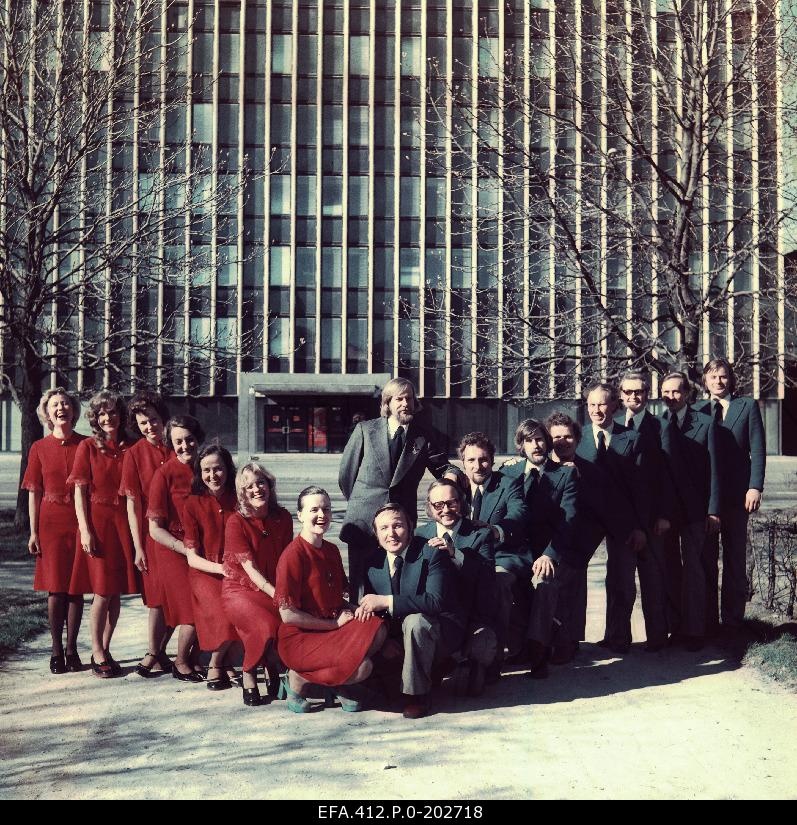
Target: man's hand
{"x":712,"y":525}
{"x":752,"y":501}
{"x":369,"y":605}
{"x":344,"y":617}
{"x":661,"y":526}
{"x":440,"y":544}
{"x":636,"y":541}
{"x":543,"y":568}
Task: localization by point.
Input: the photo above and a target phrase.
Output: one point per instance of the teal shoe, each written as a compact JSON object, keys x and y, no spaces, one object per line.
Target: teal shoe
{"x":295,"y":702}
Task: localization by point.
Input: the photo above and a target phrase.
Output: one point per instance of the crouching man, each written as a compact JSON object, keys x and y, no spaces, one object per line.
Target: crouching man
{"x":414,"y":586}
{"x":472,"y":552}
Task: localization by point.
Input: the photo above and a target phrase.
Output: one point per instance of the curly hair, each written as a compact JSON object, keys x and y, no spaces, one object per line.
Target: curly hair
{"x":139,"y":404}
{"x":560,"y":419}
{"x":477,"y":439}
{"x":526,"y":429}
{"x":256,"y":469}
{"x":198,"y":486}
{"x":106,"y":400}
{"x":41,"y":410}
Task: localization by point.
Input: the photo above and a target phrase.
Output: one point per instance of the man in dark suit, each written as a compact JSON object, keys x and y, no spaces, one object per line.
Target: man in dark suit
{"x":414,"y":585}
{"x":496,"y":500}
{"x":551,"y":494}
{"x":690,"y":445}
{"x":384,"y":461}
{"x":472,"y":552}
{"x":617,"y":451}
{"x":740,"y":440}
{"x":634,"y":391}
{"x":600,"y":514}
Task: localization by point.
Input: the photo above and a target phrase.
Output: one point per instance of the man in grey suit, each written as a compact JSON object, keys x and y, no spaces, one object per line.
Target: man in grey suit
{"x":742,"y":450}
{"x":689,"y":443}
{"x":384,"y":461}
{"x":414,"y":586}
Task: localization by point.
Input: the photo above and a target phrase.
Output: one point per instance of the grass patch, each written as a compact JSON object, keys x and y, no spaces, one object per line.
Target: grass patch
{"x":23,"y":614}
{"x":13,"y":545}
{"x":776,"y":659}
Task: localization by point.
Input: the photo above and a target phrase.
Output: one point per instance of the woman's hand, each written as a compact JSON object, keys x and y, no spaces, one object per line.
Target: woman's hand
{"x":140,"y":561}
{"x":34,"y":547}
{"x":87,"y":542}
{"x":344,"y":617}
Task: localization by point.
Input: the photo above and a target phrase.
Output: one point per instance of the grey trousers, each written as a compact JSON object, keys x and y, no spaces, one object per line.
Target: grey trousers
{"x":421,"y":637}
{"x":734,"y":569}
{"x":686,"y":579}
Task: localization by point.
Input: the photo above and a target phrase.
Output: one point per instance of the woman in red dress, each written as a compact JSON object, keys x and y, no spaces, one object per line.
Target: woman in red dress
{"x":146,"y":413}
{"x":205,"y":515}
{"x":170,"y":487}
{"x":318,"y":640}
{"x":254,"y":540}
{"x":104,"y":561}
{"x":53,"y":524}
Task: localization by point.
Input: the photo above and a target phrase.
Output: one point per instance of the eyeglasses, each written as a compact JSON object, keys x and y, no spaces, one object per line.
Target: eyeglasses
{"x":439,"y":506}
{"x":633,"y":392}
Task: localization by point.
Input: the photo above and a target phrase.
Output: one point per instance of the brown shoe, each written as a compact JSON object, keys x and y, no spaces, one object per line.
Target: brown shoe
{"x":416,"y":707}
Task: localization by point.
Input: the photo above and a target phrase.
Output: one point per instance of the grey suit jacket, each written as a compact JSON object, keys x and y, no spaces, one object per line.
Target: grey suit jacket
{"x":366,"y":480}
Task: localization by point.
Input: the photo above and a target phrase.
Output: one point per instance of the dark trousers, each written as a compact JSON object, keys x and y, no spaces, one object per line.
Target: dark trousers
{"x":733,"y":533}
{"x":686,"y":580}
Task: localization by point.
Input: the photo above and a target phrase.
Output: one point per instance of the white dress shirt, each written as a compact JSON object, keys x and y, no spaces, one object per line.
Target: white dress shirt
{"x":459,"y":557}
{"x":607,"y":433}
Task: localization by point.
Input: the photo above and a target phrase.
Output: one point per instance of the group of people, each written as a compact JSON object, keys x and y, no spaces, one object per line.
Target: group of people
{"x":498,"y":572}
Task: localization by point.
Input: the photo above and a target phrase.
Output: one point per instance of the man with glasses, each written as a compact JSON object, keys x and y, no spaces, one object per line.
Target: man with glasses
{"x":472,"y":552}
{"x":634,"y":392}
{"x":617,"y":451}
{"x":413,"y":585}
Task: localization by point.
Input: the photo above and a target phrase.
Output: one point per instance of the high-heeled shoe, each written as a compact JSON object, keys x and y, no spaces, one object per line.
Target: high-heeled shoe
{"x":295,"y":702}
{"x":252,"y":697}
{"x":191,"y":676}
{"x":164,"y":661}
{"x":101,"y":669}
{"x":73,"y":663}
{"x":57,"y":664}
{"x":146,"y":671}
{"x":116,"y":668}
{"x":272,"y":682}
{"x":223,"y":682}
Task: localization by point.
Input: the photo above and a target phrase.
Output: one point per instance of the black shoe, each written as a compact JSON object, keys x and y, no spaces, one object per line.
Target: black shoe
{"x":165,"y":662}
{"x":620,"y":648}
{"x":101,"y":669}
{"x":563,"y":653}
{"x":272,"y":682}
{"x":116,"y":668}
{"x":73,"y":663}
{"x":655,"y":646}
{"x":146,"y":671}
{"x":539,"y":662}
{"x":57,"y":664}
{"x":492,"y":673}
{"x":693,"y":643}
{"x":252,"y":697}
{"x":222,"y":683}
{"x":192,"y":676}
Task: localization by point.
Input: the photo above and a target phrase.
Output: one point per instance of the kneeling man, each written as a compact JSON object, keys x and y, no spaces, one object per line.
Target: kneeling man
{"x":414,"y":585}
{"x":472,"y":552}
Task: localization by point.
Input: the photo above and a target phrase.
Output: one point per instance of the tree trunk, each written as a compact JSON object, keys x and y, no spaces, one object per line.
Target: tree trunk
{"x":28,"y":399}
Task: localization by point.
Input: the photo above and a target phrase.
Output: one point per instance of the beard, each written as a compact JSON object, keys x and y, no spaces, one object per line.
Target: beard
{"x":404,"y":418}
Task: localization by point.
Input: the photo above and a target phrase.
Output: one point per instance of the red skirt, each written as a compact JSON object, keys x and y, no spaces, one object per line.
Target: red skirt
{"x":110,"y":571}
{"x":57,"y":530}
{"x":175,"y":587}
{"x":327,"y":657}
{"x":150,"y":583}
{"x":212,"y":627}
{"x":256,"y":619}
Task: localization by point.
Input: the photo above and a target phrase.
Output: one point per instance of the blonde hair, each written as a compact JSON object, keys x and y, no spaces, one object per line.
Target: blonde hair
{"x":105,"y":399}
{"x":394,"y":387}
{"x":41,"y":410}
{"x":256,"y":469}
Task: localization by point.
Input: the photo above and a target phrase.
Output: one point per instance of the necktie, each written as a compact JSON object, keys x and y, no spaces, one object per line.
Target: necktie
{"x":532,"y":477}
{"x":395,"y":579}
{"x":396,"y":446}
{"x":718,"y":412}
{"x":630,"y":422}
{"x":601,"y":445}
{"x":449,"y":542}
{"x":476,"y":507}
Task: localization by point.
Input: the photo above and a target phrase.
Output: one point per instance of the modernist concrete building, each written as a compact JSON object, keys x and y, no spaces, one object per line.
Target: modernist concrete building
{"x":352,"y":227}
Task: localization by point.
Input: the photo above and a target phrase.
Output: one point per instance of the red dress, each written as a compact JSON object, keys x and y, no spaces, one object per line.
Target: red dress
{"x":204,"y":520}
{"x":170,"y":487}
{"x":138,"y":467}
{"x":312,"y":579}
{"x":254,"y":614}
{"x":49,"y":464}
{"x":110,"y":571}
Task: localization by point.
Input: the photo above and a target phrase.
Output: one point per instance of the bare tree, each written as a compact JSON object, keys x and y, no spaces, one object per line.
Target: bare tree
{"x":105,"y":201}
{"x":618,"y":169}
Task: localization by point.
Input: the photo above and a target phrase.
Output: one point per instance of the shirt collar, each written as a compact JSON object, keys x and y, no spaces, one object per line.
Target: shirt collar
{"x":681,"y":414}
{"x":452,"y":530}
{"x":530,"y":466}
{"x":724,"y":403}
{"x":391,"y":559}
{"x":483,"y":485}
{"x":607,"y":432}
{"x":637,"y":418}
{"x":392,"y":426}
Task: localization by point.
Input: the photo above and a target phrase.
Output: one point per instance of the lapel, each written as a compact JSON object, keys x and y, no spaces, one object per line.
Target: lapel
{"x":491,"y":496}
{"x":466,"y":534}
{"x":413,"y":444}
{"x":378,"y":435}
{"x":734,"y":411}
{"x":553,"y":473}
{"x":427,"y":531}
{"x":411,"y":570}
{"x":382,"y":575}
{"x":586,"y":446}
{"x":692,"y":425}
{"x":619,"y":442}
